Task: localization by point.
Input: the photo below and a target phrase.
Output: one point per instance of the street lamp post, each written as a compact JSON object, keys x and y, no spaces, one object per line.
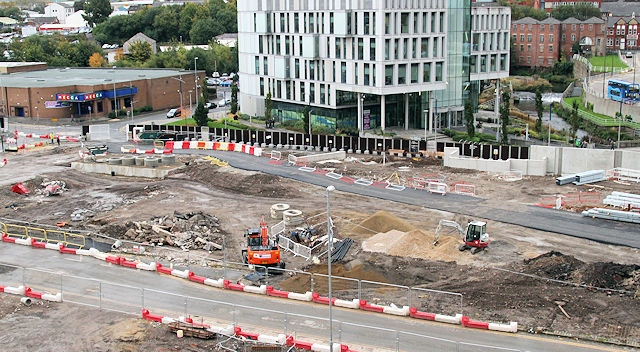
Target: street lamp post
{"x":115,"y":99}
{"x":619,"y":122}
{"x":195,"y":73}
{"x":130,"y":93}
{"x":190,"y":107}
{"x":549,"y":135}
{"x":330,"y":189}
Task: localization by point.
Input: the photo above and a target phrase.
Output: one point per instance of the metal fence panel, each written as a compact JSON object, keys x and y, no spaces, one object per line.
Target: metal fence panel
{"x":373,"y":292}
{"x":409,"y":341}
{"x":435,"y":301}
{"x":43,"y":281}
{"x":11,"y":275}
{"x":164,"y":303}
{"x":309,"y":328}
{"x":80,"y":290}
{"x":341,"y":287}
{"x":215,"y":313}
{"x":386,"y":339}
{"x":120,"y":298}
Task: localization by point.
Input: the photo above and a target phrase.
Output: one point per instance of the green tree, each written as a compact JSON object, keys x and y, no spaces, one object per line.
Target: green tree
{"x":200,"y":115}
{"x":305,"y":118}
{"x":78,"y":5}
{"x":521,"y":11}
{"x":97,"y":11}
{"x":580,"y":10}
{"x":204,"y":29}
{"x":468,"y":119}
{"x":234,"y":95}
{"x":205,"y":90}
{"x":140,"y":51}
{"x":505,"y":108}
{"x":268,"y":107}
{"x":539,"y":111}
{"x":574,"y":119}
{"x":56,"y":50}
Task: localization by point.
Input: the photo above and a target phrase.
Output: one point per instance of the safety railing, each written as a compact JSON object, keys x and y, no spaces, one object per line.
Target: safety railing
{"x":132,"y":300}
{"x":69,"y":239}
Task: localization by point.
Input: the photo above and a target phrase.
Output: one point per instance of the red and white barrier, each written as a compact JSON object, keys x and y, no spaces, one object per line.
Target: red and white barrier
{"x":370,"y":307}
{"x":215,"y":283}
{"x":277,"y":293}
{"x":353,"y":304}
{"x":468,"y":323}
{"x":394,"y":310}
{"x":14,"y":290}
{"x":180,"y":273}
{"x":511,"y":327}
{"x":23,"y":241}
{"x":307,"y":297}
{"x":457,"y":319}
{"x":51,"y":297}
{"x":149,"y":267}
{"x":260,"y":290}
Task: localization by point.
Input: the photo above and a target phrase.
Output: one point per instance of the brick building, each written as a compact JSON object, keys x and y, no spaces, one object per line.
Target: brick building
{"x":622,"y":33}
{"x":32,"y":90}
{"x":536,"y":43}
{"x":589,"y":33}
{"x":543,"y":43}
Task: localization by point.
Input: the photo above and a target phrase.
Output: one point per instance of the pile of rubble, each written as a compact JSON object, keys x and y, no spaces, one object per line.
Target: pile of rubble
{"x":193,"y":230}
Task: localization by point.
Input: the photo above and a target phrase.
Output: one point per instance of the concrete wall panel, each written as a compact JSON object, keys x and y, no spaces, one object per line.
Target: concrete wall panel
{"x":575,"y":160}
{"x":630,"y":160}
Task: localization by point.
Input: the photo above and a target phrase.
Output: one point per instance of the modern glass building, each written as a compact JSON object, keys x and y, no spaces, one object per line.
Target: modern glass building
{"x":370,"y":64}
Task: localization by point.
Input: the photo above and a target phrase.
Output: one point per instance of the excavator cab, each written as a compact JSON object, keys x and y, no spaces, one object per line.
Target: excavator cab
{"x":476,"y":237}
{"x":261,"y":250}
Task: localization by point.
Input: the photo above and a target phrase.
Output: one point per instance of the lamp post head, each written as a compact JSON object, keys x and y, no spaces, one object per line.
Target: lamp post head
{"x":331,"y":188}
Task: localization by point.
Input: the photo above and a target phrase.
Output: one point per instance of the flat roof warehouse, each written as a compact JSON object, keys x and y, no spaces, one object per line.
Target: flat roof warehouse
{"x":36,"y":91}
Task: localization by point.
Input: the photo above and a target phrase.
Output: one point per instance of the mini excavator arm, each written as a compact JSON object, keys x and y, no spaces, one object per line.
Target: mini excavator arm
{"x":447,"y":223}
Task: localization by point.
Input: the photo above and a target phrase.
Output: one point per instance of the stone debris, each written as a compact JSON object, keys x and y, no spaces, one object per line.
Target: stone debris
{"x":193,"y":230}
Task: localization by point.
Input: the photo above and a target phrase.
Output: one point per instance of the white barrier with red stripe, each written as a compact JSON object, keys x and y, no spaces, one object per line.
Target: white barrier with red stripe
{"x":456,"y":319}
{"x":180,"y":273}
{"x":263,"y":289}
{"x":308,"y":296}
{"x":511,"y":327}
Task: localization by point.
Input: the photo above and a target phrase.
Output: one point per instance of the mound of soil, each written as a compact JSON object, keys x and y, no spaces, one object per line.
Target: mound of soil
{"x":382,"y":221}
{"x":553,"y":265}
{"x":247,"y":183}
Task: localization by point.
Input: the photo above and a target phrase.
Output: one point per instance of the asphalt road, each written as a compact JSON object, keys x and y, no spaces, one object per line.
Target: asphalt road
{"x":550,"y":220}
{"x":93,"y":282}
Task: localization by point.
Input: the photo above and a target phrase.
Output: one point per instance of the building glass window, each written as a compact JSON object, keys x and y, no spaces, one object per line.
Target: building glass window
{"x":426,"y":73}
{"x":541,"y":38}
{"x":372,"y":49}
{"x":550,"y":38}
{"x":550,"y":48}
{"x":438,"y":71}
{"x":404,"y":23}
{"x":402,"y":74}
{"x":414,"y":73}
{"x":388,"y":75}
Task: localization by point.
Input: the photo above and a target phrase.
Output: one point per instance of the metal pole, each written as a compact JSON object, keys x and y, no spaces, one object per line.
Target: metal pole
{"x":330,"y":189}
{"x":549,"y":136}
{"x":224,"y":257}
{"x":619,"y":122}
{"x":115,"y":99}
{"x":195,"y":73}
{"x":131,"y":93}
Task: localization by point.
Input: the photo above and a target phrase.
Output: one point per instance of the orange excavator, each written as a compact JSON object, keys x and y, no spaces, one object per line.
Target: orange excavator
{"x":261,"y":250}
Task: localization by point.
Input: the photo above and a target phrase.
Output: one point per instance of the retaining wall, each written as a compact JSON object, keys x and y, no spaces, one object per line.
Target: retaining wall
{"x":531,"y":167}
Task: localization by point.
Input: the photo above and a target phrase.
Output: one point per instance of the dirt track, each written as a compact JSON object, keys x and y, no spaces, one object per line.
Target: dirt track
{"x":492,"y":289}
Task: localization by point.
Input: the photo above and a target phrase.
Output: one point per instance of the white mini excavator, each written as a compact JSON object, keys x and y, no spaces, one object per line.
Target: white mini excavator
{"x":475,"y":237}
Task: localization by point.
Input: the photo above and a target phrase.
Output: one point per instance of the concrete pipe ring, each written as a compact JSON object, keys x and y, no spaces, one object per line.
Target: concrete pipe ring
{"x":292,"y":217}
{"x":128,"y":160}
{"x":278,"y":209}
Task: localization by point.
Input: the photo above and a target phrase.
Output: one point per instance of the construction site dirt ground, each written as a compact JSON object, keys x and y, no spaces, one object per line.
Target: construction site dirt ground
{"x":548,"y":283}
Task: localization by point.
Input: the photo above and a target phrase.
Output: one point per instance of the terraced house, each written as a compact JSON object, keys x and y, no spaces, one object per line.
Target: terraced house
{"x":369,"y":65}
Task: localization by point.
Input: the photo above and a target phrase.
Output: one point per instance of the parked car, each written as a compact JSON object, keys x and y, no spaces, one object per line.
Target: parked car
{"x":210,"y":105}
{"x":226,"y":83}
{"x":629,"y":54}
{"x":176,"y":112}
{"x":213,"y":81}
{"x":224,"y":102}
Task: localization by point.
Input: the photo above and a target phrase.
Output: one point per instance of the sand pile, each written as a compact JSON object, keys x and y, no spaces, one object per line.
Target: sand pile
{"x":413,"y":244}
{"x":381,"y":221}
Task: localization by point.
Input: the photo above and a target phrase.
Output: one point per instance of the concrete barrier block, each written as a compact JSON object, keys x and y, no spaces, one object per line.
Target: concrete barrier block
{"x":261,"y":290}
